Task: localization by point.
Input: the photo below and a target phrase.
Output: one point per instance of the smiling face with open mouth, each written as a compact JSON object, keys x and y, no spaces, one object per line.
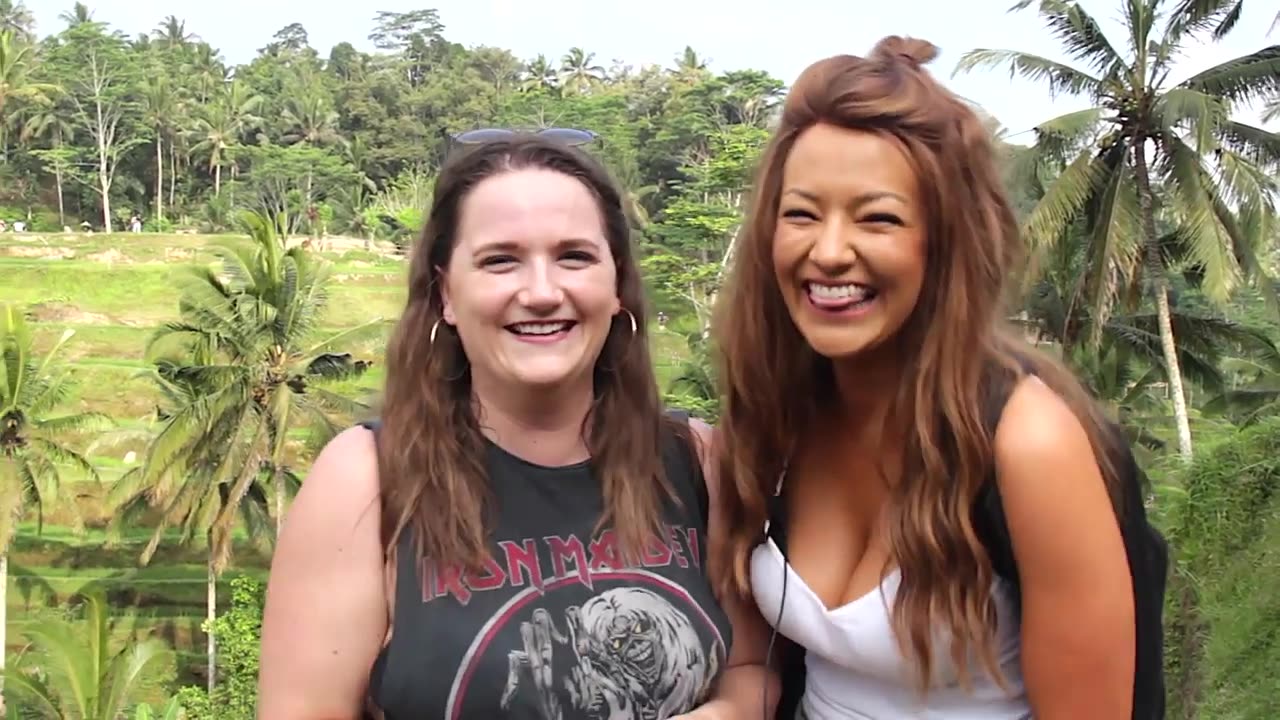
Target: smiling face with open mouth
{"x":531,"y":286}
{"x":849,"y":246}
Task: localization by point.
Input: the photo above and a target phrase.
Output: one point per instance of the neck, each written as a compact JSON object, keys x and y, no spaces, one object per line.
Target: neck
{"x":541,"y":425}
{"x":866,"y":386}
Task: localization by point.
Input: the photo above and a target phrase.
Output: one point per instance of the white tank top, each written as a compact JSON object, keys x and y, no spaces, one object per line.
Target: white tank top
{"x":855,"y":670}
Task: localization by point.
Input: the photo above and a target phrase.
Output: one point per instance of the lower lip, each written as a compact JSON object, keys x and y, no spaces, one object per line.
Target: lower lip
{"x":543,"y":339}
{"x":836,"y":308}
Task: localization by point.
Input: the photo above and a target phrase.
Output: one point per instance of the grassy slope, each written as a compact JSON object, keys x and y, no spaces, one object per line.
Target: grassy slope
{"x":114,"y":290}
{"x":1225,"y":634}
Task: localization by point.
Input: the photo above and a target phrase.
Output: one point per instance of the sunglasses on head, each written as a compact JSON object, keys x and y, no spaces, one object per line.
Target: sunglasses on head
{"x":568,"y":136}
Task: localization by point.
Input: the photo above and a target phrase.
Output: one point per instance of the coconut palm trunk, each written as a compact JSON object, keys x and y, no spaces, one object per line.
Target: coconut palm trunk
{"x":159,"y":178}
{"x":210,"y":614}
{"x":4,"y":619}
{"x":1160,"y":286}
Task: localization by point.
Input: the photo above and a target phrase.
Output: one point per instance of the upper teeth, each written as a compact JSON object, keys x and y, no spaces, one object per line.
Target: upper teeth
{"x":851,"y":292}
{"x":544,"y":328}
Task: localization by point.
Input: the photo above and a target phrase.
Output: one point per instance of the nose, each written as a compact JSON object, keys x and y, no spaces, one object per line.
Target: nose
{"x":833,"y":249}
{"x":542,"y":291}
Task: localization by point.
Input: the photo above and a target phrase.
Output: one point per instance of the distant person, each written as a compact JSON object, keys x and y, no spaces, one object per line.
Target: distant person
{"x":936,"y":518}
{"x":19,"y":226}
{"x":524,"y":533}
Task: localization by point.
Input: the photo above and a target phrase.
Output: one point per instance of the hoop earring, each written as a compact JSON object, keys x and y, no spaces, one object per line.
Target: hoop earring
{"x":631,"y":315}
{"x":434,"y":329}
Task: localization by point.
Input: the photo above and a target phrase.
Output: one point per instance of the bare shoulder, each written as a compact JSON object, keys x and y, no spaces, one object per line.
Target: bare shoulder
{"x":316,"y":655}
{"x":1047,"y":472}
{"x":344,"y":473}
{"x":1038,"y":426}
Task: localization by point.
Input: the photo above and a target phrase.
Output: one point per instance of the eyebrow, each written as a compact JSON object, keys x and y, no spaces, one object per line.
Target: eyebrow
{"x":513,"y":247}
{"x":858,"y":201}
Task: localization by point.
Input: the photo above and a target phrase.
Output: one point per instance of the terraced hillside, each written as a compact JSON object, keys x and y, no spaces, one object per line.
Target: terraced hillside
{"x":113,"y":290}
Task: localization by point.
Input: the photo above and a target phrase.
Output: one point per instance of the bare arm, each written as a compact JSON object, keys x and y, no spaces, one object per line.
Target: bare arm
{"x":740,"y":694}
{"x":326,"y":610}
{"x":1077,"y":602}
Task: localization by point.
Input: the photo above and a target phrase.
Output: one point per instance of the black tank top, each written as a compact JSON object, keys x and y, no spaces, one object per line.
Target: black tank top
{"x":556,"y":628}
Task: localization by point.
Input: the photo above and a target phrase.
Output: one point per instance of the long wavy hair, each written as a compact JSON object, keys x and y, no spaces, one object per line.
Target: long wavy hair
{"x":961,"y":353}
{"x":431,"y":448}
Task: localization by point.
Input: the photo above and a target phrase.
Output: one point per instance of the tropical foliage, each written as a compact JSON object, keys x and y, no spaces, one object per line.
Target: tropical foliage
{"x":1151,"y":154}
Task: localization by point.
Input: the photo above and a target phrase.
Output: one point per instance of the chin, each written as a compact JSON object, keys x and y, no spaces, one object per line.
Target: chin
{"x":548,"y":377}
{"x":839,"y":346}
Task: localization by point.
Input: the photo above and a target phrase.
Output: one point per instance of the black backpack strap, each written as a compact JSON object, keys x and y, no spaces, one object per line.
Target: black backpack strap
{"x":988,"y":517}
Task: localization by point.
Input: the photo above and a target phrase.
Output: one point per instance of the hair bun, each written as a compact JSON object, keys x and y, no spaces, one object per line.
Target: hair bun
{"x":912,"y":50}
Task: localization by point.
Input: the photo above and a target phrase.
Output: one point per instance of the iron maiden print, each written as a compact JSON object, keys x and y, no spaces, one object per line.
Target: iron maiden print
{"x":588,"y":640}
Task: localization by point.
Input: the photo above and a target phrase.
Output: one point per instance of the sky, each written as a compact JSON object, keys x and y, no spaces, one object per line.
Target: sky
{"x":773,"y":35}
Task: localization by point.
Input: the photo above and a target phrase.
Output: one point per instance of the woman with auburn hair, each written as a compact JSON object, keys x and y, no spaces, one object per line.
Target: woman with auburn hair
{"x":523,"y":534}
{"x":877,"y":416}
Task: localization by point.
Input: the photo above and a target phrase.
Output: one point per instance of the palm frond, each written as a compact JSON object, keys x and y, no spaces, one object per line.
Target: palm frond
{"x":66,"y":456}
{"x":1240,"y":80}
{"x":89,"y":421}
{"x":1192,"y":199}
{"x":1258,"y":145}
{"x":1062,"y":201}
{"x":1115,"y":246}
{"x":1191,"y":17}
{"x":1076,"y":29}
{"x":1194,"y":113}
{"x":1061,"y":78}
{"x":1064,"y":136}
{"x":25,"y":681}
{"x":126,"y":673}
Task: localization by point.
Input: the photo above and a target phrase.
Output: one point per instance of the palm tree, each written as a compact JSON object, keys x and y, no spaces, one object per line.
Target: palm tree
{"x":16,"y":18}
{"x":1144,"y":135}
{"x":172,"y":32}
{"x":160,"y":104}
{"x":189,"y":483}
{"x":578,"y":73}
{"x":33,"y":453}
{"x":690,"y":66}
{"x":540,"y":74}
{"x":47,"y":118}
{"x":221,"y":125}
{"x":241,"y":370}
{"x":206,"y":68}
{"x":17,"y":57}
{"x":70,"y":669}
{"x":79,"y":14}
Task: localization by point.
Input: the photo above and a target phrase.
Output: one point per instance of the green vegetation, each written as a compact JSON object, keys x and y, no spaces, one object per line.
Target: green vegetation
{"x":162,"y":392}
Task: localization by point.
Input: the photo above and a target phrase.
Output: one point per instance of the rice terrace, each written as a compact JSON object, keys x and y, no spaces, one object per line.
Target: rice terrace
{"x":201,"y":260}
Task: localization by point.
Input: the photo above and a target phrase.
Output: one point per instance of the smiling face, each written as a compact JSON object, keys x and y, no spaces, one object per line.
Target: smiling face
{"x":849,"y":247}
{"x":531,"y":286}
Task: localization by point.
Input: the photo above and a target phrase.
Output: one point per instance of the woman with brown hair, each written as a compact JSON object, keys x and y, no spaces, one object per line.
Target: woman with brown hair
{"x":876,"y":411}
{"x":523,"y":535}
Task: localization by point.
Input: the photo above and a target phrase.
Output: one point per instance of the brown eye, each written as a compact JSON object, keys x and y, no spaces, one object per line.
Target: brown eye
{"x":883,"y":219}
